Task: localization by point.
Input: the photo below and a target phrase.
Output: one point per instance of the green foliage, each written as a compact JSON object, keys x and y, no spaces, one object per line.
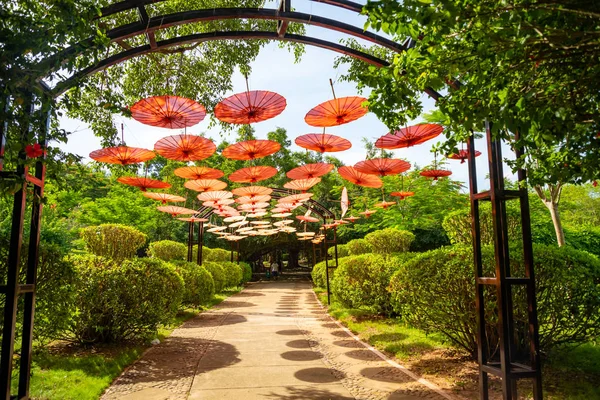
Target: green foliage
{"x":359,"y":246}
{"x":168,"y":250}
{"x":218,"y":273}
{"x":342,"y":251}
{"x":457,"y":225}
{"x":114,"y":241}
{"x":120,"y":301}
{"x":233,"y":274}
{"x":387,"y":241}
{"x":429,"y":239}
{"x":246,"y":272}
{"x":319,"y":276}
{"x":362,"y":281}
{"x":212,"y":254}
{"x":199,"y":286}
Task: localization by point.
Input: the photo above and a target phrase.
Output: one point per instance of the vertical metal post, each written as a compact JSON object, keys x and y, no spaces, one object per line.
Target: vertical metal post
{"x":335,"y":244}
{"x":314,"y":258}
{"x":238,"y":252}
{"x":190,"y":241}
{"x":231,"y":247}
{"x":327,"y":267}
{"x":200,"y":242}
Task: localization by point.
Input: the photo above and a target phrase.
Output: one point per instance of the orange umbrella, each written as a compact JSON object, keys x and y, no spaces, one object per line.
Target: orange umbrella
{"x":385,"y":204}
{"x":352,"y":219}
{"x":402,"y":194}
{"x":358,"y":178}
{"x":252,"y":191}
{"x":215,"y":195}
{"x":251,"y":206}
{"x":143,"y":183}
{"x":164,"y":197}
{"x":410,"y":136}
{"x":382,"y":166}
{"x":250,"y":107}
{"x":251,"y":149}
{"x":463,"y":155}
{"x":193,"y":219}
{"x":281,"y":209}
{"x":252,"y":174}
{"x":435,"y":173}
{"x":310,"y":171}
{"x":198,"y":173}
{"x":218,"y":203}
{"x":175,"y":210}
{"x":295,"y":198}
{"x":368,"y":213}
{"x":254,"y":199}
{"x":323,"y":142}
{"x":205,"y":185}
{"x":168,"y":112}
{"x":329,"y":226}
{"x":288,"y":206}
{"x":302,"y":184}
{"x":307,"y":218}
{"x":122,"y":155}
{"x":185,"y":147}
{"x":336,"y":112}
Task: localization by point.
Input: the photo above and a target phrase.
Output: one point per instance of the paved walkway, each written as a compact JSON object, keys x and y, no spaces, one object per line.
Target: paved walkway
{"x":271,"y":341}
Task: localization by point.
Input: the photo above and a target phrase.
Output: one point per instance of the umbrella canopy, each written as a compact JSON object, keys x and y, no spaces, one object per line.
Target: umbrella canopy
{"x":288,"y":206}
{"x":217,"y":203}
{"x":332,"y":225}
{"x":122,"y":155}
{"x":233,"y":219}
{"x":281,"y":215}
{"x":193,"y":219}
{"x":251,"y":149}
{"x":284,"y":222}
{"x":253,"y":200}
{"x":402,"y":194}
{"x":164,"y":197}
{"x":252,"y":174}
{"x":307,"y":218}
{"x":260,"y":223}
{"x":323,"y":142}
{"x":385,"y":204}
{"x":382,"y":166}
{"x":172,"y":112}
{"x":358,"y":178}
{"x":302,"y":184}
{"x":205,"y":185}
{"x":250,"y":107}
{"x":435,"y":173}
{"x":252,"y":191}
{"x":281,"y":209}
{"x":294,"y":198}
{"x":352,"y":219}
{"x":336,"y":112}
{"x":215,"y":195}
{"x":143,"y":183}
{"x":198,"y":173}
{"x":254,"y":206}
{"x":368,"y":213}
{"x":175,"y":210}
{"x":309,"y":171}
{"x":257,"y":214}
{"x":216,"y":229}
{"x":462,"y":155}
{"x":185,"y":147}
{"x":410,"y":136}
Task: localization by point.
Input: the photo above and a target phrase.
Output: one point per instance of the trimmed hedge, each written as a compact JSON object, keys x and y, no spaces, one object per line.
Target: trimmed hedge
{"x":168,"y":250}
{"x":342,"y":250}
{"x":359,"y":246}
{"x":218,"y":274}
{"x":212,"y":254}
{"x":115,"y":241}
{"x":390,"y":240}
{"x":246,"y":272}
{"x":233,"y":274}
{"x":457,"y":225}
{"x":318,"y":273}
{"x":199,"y":284}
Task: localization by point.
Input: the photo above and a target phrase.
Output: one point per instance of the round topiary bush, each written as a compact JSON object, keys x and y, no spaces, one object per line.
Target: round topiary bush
{"x":217,"y":254}
{"x":246,"y":272}
{"x":359,"y":246}
{"x":168,"y":250}
{"x":120,"y":301}
{"x":218,"y":274}
{"x":318,"y":273}
{"x":233,"y":273}
{"x":199,"y":283}
{"x":390,"y":240}
{"x":342,"y":250}
{"x":114,"y":241}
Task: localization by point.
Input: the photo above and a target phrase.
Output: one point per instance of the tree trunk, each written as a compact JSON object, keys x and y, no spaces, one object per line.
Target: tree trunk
{"x":551,"y":203}
{"x":558,"y":229}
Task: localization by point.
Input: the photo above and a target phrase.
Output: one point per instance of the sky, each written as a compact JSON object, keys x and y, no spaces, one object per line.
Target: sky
{"x":304,"y":85}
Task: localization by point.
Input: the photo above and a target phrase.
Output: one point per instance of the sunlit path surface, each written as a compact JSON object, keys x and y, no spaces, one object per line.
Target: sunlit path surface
{"x":271,"y":341}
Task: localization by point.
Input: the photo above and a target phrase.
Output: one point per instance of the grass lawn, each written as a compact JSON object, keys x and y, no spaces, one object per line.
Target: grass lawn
{"x":570,"y":373}
{"x":72,"y":372}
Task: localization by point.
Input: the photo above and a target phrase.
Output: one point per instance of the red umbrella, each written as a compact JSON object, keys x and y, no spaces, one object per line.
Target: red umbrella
{"x":323,"y":142}
{"x":252,"y":191}
{"x":185,"y":147}
{"x":143,"y":183}
{"x":358,"y":178}
{"x":168,"y":112}
{"x":310,"y":171}
{"x":164,"y":197}
{"x":385,"y":204}
{"x":368,"y":213}
{"x":336,"y":112}
{"x":409,"y":136}
{"x":382,"y":166}
{"x":302,"y":184}
{"x":215,"y":195}
{"x":288,"y":206}
{"x":198,"y":173}
{"x":332,"y":225}
{"x":307,"y":218}
{"x":253,"y":199}
{"x":402,"y":194}
{"x":463,"y":155}
{"x":205,"y":185}
{"x":251,"y":149}
{"x":249,"y":107}
{"x":252,"y":174}
{"x":294,"y":198}
{"x":352,"y":219}
{"x":175,"y":210}
{"x":122,"y":155}
{"x":435,"y":173}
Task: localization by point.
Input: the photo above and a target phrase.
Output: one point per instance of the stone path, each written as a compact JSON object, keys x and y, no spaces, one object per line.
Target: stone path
{"x":271,"y":341}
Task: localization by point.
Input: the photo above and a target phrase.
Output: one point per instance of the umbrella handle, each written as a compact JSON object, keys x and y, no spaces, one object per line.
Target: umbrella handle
{"x":332,"y":89}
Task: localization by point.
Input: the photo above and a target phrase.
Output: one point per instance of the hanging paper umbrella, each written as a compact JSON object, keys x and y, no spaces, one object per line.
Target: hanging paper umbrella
{"x":281,"y":215}
{"x":358,"y":178}
{"x":252,"y":174}
{"x":164,"y":197}
{"x":309,"y":171}
{"x":234,"y":238}
{"x":172,"y":112}
{"x":435,"y":173}
{"x":281,"y":210}
{"x":410,"y":136}
{"x":252,"y":191}
{"x":143,"y":183}
{"x":218,"y":203}
{"x":344,"y":201}
{"x":260,"y":223}
{"x":233,"y":219}
{"x":368,"y":213}
{"x":251,"y":149}
{"x":174,"y":210}
{"x":216,"y":229}
{"x":402,"y":194}
{"x":323,"y":142}
{"x":385,"y":204}
{"x":305,"y":234}
{"x":237,"y":224}
{"x":284,"y":222}
{"x":256,"y":214}
{"x":226,"y":214}
{"x":215,"y":195}
{"x":352,"y":219}
{"x":336,"y":112}
{"x":250,"y":107}
{"x":122,"y":155}
{"x":193,"y":219}
{"x":307,"y":218}
{"x":288,"y":206}
{"x":341,"y":222}
{"x":255,"y":199}
{"x":205,"y":185}
{"x":295,"y":198}
{"x":382,"y":166}
{"x":253,"y":206}
{"x":330,"y":226}
{"x":185,"y":147}
{"x":463,"y":155}
{"x":198,"y":173}
{"x":244,"y":229}
{"x":302,"y":184}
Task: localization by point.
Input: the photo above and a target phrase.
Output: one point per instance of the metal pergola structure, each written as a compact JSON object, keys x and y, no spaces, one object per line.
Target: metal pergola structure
{"x":507,"y":367}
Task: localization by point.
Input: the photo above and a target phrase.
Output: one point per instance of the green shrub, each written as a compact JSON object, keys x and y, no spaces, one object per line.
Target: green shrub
{"x":233,"y":274}
{"x":213,"y":255}
{"x":435,"y":291}
{"x":318,"y":273}
{"x":362,"y":281}
{"x":199,"y":286}
{"x":342,"y":250}
{"x":120,"y":301}
{"x":247,"y":272}
{"x":585,"y":238}
{"x":390,"y":240}
{"x":429,"y":239}
{"x":218,"y":274}
{"x":168,"y":250}
{"x":457,"y":225}
{"x":115,"y":241}
{"x":359,"y":246}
